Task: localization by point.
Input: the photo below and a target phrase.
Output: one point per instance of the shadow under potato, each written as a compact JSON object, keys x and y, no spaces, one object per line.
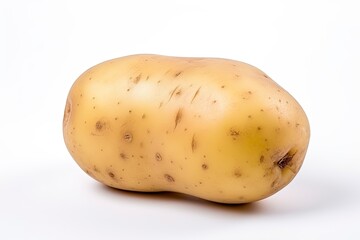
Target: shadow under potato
{"x":173,"y":197}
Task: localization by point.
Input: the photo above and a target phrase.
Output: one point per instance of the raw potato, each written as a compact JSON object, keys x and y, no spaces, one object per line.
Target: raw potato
{"x":217,"y":129}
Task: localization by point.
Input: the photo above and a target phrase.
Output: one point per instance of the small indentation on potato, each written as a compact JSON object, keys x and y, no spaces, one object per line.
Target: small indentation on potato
{"x":143,"y":116}
{"x":204,"y":166}
{"x":169,"y":178}
{"x":173,"y":92}
{"x":128,"y":137}
{"x":195,"y":95}
{"x":261,"y":159}
{"x":178,"y":117}
{"x":111,"y":174}
{"x":158,"y":156}
{"x":193,"y":143}
{"x":286,"y":159}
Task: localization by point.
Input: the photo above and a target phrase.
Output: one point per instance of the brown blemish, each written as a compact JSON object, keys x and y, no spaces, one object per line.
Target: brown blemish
{"x":160,"y":105}
{"x":193,"y":143}
{"x":158,"y":156}
{"x":261,"y":158}
{"x":234,"y":133}
{"x":237,"y":173}
{"x":204,"y":166}
{"x":259,"y":128}
{"x":266,"y":76}
{"x":178,"y":73}
{"x":173,"y":92}
{"x":178,"y":92}
{"x":143,"y":116}
{"x":223,"y":86}
{"x":137,"y":78}
{"x":128,"y":137}
{"x":169,"y":178}
{"x":123,"y":156}
{"x":195,"y":95}
{"x":96,"y":169}
{"x":285,"y":160}
{"x":100,"y":125}
{"x":111,"y":174}
{"x":178,"y":117}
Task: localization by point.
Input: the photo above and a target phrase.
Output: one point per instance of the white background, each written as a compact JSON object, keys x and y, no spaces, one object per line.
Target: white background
{"x":311,"y":48}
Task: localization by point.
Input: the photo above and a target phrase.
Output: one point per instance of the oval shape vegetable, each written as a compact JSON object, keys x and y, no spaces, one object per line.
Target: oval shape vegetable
{"x":217,"y":129}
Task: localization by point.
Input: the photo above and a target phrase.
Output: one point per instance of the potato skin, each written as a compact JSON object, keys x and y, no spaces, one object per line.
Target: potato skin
{"x":217,"y":129}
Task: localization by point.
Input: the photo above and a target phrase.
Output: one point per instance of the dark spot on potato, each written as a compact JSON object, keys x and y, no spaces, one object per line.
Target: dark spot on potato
{"x":261,"y":159}
{"x":178,"y":73}
{"x":223,"y":86}
{"x":204,"y":166}
{"x":100,"y":125}
{"x":234,"y":133}
{"x":259,"y":128}
{"x":178,"y":117}
{"x":285,"y":160}
{"x":266,"y":76}
{"x":237,"y":173}
{"x":249,"y":116}
{"x":193,"y":143}
{"x":137,"y":78}
{"x":158,"y":156}
{"x":111,"y":174}
{"x":143,"y":116}
{"x":261,"y":110}
{"x":147,"y":77}
{"x":249,"y":92}
{"x":214,"y":101}
{"x":160,"y":105}
{"x":128,"y":137}
{"x":130,"y":111}
{"x":196,"y":94}
{"x":123,"y":156}
{"x":169,"y":178}
{"x":93,"y":98}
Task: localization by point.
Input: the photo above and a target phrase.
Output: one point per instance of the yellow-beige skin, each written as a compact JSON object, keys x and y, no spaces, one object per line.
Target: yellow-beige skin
{"x":217,"y":129}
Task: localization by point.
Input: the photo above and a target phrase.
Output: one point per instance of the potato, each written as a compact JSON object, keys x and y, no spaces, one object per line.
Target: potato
{"x":213,"y":128}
